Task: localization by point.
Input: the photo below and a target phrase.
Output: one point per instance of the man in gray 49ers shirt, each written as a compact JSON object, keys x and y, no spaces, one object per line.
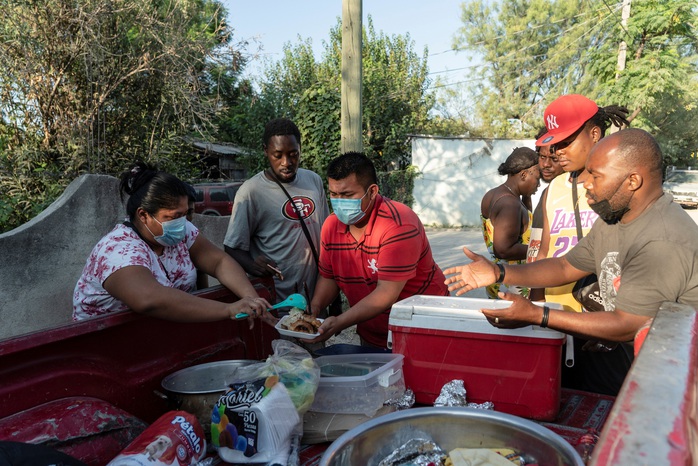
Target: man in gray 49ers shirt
{"x":264,"y":232}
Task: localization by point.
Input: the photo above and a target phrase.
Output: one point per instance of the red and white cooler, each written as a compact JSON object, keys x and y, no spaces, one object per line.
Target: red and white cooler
{"x":445,"y":338}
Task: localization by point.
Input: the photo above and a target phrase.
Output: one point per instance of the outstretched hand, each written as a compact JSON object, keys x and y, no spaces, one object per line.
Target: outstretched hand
{"x":463,"y":278}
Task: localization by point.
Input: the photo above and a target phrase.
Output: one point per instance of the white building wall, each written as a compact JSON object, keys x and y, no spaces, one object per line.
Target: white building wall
{"x":455,"y":174}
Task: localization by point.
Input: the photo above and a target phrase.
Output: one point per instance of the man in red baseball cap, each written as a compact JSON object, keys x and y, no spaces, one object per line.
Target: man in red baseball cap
{"x":574,"y":125}
{"x":565,"y":116}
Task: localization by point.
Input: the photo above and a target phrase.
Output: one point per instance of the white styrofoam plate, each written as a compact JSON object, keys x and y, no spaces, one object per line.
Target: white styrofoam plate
{"x":291,"y":333}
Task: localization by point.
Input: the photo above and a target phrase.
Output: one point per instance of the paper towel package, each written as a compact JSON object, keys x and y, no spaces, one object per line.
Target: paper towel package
{"x":444,"y":338}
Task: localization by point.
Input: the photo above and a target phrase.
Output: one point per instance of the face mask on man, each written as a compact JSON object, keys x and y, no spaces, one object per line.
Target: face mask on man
{"x":173,"y":231}
{"x":348,"y":211}
{"x":606,"y":213}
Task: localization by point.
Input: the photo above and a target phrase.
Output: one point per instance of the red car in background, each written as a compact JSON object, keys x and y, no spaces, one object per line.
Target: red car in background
{"x":215,"y":198}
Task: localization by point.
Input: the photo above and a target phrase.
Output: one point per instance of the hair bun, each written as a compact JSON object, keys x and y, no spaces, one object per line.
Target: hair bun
{"x":137,"y":176}
{"x":132,"y":175}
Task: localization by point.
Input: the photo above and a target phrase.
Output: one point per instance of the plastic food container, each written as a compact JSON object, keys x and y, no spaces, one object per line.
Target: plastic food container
{"x":447,"y":338}
{"x":358,"y":383}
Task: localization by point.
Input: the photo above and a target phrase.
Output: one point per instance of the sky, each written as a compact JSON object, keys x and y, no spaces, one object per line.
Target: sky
{"x":429,"y":22}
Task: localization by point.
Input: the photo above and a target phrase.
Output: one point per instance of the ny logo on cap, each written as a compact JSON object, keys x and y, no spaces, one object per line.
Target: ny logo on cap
{"x":551,"y":121}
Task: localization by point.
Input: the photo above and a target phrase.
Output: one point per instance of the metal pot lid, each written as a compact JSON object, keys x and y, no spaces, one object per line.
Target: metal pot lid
{"x":205,"y":378}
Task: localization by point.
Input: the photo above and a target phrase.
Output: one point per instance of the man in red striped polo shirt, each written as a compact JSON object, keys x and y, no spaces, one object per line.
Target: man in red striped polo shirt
{"x":373,"y":249}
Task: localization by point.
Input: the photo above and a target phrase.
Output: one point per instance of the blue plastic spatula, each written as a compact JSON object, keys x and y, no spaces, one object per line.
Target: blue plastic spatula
{"x":294,"y":300}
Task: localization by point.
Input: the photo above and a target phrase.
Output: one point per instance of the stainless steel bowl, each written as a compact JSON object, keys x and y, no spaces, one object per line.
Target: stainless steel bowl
{"x":370,"y":442}
{"x":205,"y":378}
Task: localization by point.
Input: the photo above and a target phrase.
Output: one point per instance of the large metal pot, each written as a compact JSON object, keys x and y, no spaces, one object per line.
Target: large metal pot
{"x":367,"y":444}
{"x":196,"y":389}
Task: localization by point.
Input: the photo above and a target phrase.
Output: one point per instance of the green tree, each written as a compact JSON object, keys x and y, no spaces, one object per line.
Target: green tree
{"x":660,"y":80}
{"x":532,"y":50}
{"x":89,"y":86}
{"x":453,"y":112}
{"x":395,"y":98}
{"x":536,"y":50}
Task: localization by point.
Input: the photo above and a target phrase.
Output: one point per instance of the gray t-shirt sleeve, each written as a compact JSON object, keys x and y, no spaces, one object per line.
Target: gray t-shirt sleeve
{"x":581,"y":256}
{"x":323,"y":208}
{"x":242,"y":220}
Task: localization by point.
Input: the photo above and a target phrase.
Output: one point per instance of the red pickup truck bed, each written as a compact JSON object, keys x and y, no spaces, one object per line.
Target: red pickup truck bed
{"x":88,"y":388}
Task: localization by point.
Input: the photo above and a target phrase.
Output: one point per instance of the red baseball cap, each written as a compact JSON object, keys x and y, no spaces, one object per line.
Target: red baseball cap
{"x":564,"y":116}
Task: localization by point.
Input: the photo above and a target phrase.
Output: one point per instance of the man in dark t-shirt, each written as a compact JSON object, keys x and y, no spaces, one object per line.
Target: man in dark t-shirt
{"x":644,"y":250}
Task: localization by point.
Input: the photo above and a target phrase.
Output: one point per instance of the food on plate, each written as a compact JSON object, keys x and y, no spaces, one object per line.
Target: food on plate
{"x":298,"y":321}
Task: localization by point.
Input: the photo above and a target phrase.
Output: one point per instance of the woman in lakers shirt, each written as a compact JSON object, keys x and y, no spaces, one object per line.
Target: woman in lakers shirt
{"x":506,"y":219}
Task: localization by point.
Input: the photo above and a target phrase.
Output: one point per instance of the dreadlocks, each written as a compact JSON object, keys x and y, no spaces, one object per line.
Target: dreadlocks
{"x":612,"y":114}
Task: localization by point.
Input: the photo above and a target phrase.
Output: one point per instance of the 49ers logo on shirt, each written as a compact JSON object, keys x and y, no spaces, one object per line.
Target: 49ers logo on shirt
{"x":303,"y":205}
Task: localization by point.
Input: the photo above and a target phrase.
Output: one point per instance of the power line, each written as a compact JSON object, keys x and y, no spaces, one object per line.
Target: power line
{"x":504,"y":36}
{"x":514,"y":54}
{"x":620,"y":23}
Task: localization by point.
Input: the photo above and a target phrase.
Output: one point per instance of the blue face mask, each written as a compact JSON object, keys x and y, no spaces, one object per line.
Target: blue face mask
{"x":348,"y":211}
{"x":173,"y":231}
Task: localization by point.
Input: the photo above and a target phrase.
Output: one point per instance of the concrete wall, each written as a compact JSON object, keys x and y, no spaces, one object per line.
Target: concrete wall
{"x":43,"y":259}
{"x":456,"y":173}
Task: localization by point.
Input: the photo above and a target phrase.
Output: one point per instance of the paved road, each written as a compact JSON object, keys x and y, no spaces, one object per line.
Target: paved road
{"x":447,"y":248}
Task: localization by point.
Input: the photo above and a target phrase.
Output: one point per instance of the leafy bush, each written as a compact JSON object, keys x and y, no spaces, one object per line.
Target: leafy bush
{"x":398,"y":185}
{"x":28,"y":184}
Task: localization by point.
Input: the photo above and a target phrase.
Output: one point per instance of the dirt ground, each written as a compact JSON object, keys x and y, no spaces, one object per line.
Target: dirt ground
{"x":347,"y":336}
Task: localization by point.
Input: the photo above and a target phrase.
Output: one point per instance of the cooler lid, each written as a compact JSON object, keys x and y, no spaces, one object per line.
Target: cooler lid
{"x":460,"y":314}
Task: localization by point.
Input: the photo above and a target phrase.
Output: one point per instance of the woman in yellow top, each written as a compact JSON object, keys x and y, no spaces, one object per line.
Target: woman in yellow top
{"x":505,"y":212}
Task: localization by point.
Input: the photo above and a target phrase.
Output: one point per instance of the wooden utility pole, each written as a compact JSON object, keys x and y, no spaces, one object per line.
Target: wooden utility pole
{"x":623,"y":47}
{"x":351,"y":76}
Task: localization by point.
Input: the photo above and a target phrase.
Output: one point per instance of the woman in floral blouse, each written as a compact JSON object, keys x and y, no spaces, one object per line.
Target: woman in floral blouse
{"x":148,"y":263}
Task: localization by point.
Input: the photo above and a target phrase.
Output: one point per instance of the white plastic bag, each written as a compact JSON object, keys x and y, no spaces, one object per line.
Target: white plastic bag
{"x":257,"y":419}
